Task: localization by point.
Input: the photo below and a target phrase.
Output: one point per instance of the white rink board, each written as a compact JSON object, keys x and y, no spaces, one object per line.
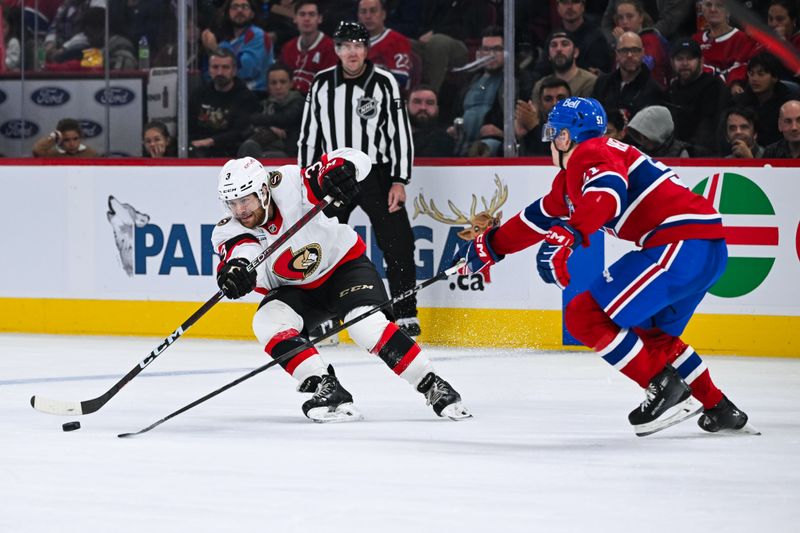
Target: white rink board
{"x":60,"y":224}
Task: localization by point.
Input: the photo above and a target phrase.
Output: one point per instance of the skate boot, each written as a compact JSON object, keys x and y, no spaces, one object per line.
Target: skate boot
{"x":446,"y":402}
{"x":410,"y":326}
{"x":725,"y":417}
{"x":331,"y":402}
{"x":322,"y":329}
{"x":669,"y":401}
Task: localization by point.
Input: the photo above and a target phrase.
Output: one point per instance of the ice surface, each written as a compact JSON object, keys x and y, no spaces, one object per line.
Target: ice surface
{"x":549,"y":449}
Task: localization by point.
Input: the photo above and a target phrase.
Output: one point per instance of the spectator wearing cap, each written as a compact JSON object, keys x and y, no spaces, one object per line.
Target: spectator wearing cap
{"x":696,"y":98}
{"x":595,"y":53}
{"x":764,"y":93}
{"x":563,"y":54}
{"x":653,"y":131}
{"x":740,"y":134}
{"x":630,"y":87}
{"x":669,"y":15}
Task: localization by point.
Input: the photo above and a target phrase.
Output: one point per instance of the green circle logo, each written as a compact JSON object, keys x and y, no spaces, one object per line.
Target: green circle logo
{"x":750,"y":231}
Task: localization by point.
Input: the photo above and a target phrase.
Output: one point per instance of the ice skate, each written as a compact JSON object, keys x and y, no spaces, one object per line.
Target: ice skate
{"x":669,"y":401}
{"x":331,"y":402}
{"x":725,"y":417}
{"x":322,"y":329}
{"x":410,"y":326}
{"x":446,"y":402}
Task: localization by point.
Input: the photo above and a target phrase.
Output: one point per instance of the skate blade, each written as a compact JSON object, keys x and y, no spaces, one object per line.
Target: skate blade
{"x":343,"y":413}
{"x":746,"y":430}
{"x":674,"y":415}
{"x":456,"y":411}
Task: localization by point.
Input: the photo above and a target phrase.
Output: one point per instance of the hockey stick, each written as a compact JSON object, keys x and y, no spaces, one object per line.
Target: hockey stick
{"x":291,"y":353}
{"x":60,"y":407}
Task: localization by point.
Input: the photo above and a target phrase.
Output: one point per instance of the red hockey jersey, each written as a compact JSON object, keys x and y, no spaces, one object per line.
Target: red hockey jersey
{"x":612,"y":186}
{"x":391,"y":50}
{"x":728,"y":54}
{"x":306,"y":63}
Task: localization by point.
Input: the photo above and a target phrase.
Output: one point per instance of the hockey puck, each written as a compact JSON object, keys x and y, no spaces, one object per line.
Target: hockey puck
{"x":71,"y":426}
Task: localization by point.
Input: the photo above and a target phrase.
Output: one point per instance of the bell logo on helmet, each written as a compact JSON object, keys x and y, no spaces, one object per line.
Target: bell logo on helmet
{"x":572,"y":103}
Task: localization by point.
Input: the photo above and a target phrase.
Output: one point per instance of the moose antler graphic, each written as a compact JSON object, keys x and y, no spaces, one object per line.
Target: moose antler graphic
{"x":478,"y":221}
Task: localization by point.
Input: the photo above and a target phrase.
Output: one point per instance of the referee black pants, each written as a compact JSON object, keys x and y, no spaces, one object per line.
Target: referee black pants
{"x":393,"y":231}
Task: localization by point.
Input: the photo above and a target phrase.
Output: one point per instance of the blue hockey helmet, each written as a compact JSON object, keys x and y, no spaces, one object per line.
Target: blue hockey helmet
{"x":584,"y":118}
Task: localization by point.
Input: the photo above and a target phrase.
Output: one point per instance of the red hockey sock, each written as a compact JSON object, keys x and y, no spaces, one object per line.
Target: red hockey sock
{"x":621,"y":348}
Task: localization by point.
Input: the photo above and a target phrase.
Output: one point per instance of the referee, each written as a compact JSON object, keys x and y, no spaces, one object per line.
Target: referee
{"x":357,"y":105}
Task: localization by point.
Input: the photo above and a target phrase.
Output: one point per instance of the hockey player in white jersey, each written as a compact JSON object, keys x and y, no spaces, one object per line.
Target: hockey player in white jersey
{"x":320,"y":273}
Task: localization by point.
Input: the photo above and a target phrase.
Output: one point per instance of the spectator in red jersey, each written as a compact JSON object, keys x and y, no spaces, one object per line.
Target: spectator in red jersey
{"x":312,"y":50}
{"x":764,"y":93}
{"x":388,"y":49}
{"x":789,"y":126}
{"x":725,"y":48}
{"x":631,"y":16}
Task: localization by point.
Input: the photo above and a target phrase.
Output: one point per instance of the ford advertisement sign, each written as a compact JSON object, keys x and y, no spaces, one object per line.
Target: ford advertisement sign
{"x":18,"y":129}
{"x":114,"y":96}
{"x":50,"y":96}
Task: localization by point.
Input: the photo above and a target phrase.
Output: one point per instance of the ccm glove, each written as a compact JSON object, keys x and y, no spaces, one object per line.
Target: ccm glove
{"x":551,"y":261}
{"x":234,"y":279}
{"x":338,"y":179}
{"x":477,"y":254}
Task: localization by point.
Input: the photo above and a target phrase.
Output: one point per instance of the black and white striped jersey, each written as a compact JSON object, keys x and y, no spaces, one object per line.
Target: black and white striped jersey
{"x":367,"y":113}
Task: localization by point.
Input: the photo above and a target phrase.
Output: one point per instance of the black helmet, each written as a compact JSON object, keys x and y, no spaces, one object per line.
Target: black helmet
{"x":351,"y":31}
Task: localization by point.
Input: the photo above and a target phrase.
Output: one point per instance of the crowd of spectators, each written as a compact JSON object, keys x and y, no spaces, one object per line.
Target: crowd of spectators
{"x":677,"y":77}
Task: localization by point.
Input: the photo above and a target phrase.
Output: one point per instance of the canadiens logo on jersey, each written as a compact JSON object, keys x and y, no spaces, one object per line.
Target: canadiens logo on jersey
{"x":367,"y":107}
{"x":299,"y":265}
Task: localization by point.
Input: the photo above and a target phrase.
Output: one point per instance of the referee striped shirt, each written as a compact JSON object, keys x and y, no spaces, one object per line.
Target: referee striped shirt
{"x":367,"y":113}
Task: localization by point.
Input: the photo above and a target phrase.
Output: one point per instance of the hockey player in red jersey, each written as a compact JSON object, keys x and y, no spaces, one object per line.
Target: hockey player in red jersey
{"x":632,"y":315}
{"x":388,"y":49}
{"x":319,"y":274}
{"x":312,"y":50}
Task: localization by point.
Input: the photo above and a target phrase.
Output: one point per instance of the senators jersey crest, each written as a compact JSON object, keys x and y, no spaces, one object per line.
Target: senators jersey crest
{"x":297,"y":266}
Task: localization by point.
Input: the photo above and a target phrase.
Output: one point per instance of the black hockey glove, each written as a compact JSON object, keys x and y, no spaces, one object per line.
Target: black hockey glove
{"x":338,"y":179}
{"x":234,"y":279}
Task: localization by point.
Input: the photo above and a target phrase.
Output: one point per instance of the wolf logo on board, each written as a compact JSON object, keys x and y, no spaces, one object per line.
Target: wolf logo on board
{"x":123,"y":218}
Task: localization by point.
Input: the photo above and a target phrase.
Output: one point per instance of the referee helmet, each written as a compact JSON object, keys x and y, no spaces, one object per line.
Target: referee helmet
{"x":351,"y":31}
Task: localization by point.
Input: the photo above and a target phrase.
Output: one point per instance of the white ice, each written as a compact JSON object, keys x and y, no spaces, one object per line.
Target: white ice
{"x":549,"y":448}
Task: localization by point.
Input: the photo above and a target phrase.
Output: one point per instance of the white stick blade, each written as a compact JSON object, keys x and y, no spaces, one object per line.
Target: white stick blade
{"x":56,"y":407}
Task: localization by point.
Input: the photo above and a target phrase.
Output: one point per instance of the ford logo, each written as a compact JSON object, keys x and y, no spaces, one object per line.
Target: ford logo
{"x":50,"y":96}
{"x":2,"y":97}
{"x":18,"y":129}
{"x":90,"y":128}
{"x":114,"y":96}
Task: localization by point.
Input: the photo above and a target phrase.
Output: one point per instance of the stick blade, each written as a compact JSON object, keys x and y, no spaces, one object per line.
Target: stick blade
{"x":56,"y":407}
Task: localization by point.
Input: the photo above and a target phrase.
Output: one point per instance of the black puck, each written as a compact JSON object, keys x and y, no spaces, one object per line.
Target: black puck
{"x":71,"y":426}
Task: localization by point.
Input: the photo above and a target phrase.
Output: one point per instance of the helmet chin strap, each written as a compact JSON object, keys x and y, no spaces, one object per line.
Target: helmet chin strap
{"x":562,"y":153}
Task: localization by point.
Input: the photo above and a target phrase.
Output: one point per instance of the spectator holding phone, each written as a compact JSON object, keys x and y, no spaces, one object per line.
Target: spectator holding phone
{"x":65,"y":141}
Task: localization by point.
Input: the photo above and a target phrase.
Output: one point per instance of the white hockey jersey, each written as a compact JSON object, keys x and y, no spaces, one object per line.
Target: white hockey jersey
{"x":311,"y":255}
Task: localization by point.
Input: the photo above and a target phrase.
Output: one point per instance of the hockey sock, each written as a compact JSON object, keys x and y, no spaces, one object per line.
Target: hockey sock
{"x":693,"y":370}
{"x":687,"y":362}
{"x":402,"y":354}
{"x":304,"y":364}
{"x":622,"y":348}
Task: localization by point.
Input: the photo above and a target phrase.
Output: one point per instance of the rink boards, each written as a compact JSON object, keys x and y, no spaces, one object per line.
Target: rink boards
{"x":123,"y":248}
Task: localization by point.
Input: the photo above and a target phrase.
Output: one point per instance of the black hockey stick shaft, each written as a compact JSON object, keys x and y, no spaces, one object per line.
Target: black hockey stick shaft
{"x":291,"y":353}
{"x":90,"y":406}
